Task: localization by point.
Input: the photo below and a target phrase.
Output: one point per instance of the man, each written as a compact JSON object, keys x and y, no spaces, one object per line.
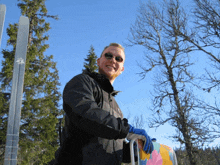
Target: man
{"x":94,"y":128}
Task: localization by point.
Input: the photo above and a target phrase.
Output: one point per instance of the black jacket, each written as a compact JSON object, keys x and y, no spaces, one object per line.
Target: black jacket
{"x":94,"y":126}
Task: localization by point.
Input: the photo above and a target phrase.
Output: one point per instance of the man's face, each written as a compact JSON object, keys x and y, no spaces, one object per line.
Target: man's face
{"x":110,"y":67}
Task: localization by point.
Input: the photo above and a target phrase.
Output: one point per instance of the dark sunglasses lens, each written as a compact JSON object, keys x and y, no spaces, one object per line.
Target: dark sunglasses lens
{"x":108,"y":55}
{"x":119,"y":59}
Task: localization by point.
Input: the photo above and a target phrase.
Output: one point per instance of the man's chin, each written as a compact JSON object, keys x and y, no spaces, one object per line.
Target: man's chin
{"x":109,"y":74}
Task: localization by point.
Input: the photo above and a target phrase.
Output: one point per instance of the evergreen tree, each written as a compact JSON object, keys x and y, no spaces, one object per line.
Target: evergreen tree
{"x":40,"y":104}
{"x":91,"y":61}
{"x":205,"y":155}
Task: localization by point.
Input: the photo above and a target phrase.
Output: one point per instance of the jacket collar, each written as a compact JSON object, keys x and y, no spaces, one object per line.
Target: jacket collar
{"x":103,"y":81}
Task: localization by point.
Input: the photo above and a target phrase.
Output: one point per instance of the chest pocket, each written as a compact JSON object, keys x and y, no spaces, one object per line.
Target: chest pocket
{"x":110,"y":105}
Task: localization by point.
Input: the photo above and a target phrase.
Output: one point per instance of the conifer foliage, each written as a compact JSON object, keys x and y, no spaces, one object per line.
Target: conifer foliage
{"x":40,"y":104}
{"x":91,"y":60}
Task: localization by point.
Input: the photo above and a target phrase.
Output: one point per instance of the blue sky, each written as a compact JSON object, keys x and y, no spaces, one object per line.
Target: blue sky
{"x":97,"y":22}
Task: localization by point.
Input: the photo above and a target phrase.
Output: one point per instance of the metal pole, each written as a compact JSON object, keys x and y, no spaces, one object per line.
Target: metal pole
{"x":2,"y":20}
{"x":16,"y":93}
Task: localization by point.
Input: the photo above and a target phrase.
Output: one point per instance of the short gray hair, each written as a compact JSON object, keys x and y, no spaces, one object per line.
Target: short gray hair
{"x":113,"y":44}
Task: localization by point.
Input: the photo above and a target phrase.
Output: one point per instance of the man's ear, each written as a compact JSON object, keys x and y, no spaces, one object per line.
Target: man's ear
{"x":122,"y":69}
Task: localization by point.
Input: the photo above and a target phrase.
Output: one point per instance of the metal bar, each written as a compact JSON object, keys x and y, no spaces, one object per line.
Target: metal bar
{"x":2,"y":20}
{"x":16,"y":93}
{"x":132,"y":151}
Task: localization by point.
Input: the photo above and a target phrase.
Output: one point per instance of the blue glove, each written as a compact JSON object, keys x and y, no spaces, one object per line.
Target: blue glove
{"x":148,"y":145}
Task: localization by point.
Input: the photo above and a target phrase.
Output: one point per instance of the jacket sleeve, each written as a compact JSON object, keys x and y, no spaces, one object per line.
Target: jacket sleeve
{"x":78,"y":99}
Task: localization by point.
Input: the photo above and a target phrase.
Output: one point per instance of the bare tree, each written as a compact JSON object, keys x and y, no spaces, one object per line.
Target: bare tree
{"x":206,"y":38}
{"x":158,"y":30}
{"x":139,"y":122}
{"x":213,"y":113}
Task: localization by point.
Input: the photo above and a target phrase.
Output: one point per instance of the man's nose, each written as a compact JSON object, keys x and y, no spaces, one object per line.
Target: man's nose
{"x":113,"y":59}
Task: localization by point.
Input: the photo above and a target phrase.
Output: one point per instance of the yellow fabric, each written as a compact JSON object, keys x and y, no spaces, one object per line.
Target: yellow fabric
{"x":164,"y":152}
{"x":143,"y":155}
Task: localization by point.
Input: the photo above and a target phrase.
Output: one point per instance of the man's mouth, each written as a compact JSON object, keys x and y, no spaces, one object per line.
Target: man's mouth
{"x":110,"y":67}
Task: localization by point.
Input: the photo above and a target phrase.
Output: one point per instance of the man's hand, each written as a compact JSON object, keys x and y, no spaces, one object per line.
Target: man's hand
{"x":148,"y":145}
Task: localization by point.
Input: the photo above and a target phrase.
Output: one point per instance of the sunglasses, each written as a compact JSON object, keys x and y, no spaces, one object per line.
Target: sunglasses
{"x":109,"y":56}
